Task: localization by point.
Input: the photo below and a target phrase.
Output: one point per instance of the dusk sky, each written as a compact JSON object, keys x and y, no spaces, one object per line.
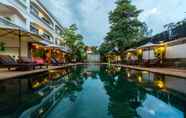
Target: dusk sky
{"x":91,"y":16}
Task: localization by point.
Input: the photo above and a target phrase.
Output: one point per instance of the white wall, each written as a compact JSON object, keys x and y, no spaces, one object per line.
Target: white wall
{"x":14,"y":51}
{"x":146,"y":54}
{"x":18,"y":21}
{"x":177,"y":51}
{"x":93,"y":57}
{"x":177,"y":84}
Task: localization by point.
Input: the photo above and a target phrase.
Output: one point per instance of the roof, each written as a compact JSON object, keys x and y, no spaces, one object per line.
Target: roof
{"x":149,"y":45}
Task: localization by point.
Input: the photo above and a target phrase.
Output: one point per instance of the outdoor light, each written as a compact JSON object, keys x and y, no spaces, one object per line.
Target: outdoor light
{"x":40,"y":14}
{"x":36,"y":46}
{"x":40,"y":31}
{"x":160,"y":84}
{"x":140,"y":79}
{"x":128,"y":75}
{"x":140,"y":51}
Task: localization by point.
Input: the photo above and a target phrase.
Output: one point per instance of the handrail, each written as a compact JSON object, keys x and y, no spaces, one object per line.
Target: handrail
{"x":8,"y":23}
{"x":43,"y":21}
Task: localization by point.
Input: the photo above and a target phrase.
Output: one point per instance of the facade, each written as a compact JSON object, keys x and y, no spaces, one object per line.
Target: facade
{"x":92,"y":56}
{"x":29,"y":16}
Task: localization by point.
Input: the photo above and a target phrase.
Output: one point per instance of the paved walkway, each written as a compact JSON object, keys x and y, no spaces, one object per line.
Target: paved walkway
{"x":167,"y":71}
{"x":5,"y":74}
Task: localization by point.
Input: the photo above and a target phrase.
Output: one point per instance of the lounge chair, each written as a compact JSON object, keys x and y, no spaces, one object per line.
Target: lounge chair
{"x":56,"y":62}
{"x":27,"y":60}
{"x":8,"y":62}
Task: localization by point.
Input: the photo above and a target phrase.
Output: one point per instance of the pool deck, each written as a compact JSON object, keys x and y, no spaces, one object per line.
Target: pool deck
{"x":5,"y":74}
{"x":161,"y":70}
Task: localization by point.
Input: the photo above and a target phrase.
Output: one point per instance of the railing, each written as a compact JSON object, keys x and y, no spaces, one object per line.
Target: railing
{"x":22,"y":3}
{"x":8,"y":23}
{"x":34,"y":13}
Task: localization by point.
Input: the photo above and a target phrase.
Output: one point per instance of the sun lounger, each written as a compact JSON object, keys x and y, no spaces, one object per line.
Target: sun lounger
{"x":27,"y":60}
{"x":8,"y":62}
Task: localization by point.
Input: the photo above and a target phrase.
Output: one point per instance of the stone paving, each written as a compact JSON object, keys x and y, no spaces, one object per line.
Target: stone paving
{"x":5,"y":74}
{"x":167,"y":71}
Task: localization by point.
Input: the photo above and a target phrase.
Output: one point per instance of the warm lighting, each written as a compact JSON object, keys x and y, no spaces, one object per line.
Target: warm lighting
{"x":140,"y":51}
{"x":51,"y":71}
{"x":40,"y":31}
{"x":36,"y":85}
{"x":40,"y":15}
{"x":37,"y":46}
{"x":128,"y":75}
{"x":140,"y":79}
{"x":160,"y":84}
{"x":162,"y":49}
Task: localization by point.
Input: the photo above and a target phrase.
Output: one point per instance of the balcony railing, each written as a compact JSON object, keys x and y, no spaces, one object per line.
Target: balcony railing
{"x":8,"y":23}
{"x":22,"y":3}
{"x":43,"y":20}
{"x":34,"y":30}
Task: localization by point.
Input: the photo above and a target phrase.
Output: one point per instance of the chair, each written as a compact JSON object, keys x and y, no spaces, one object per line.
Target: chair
{"x":56,"y":62}
{"x":27,"y":60}
{"x":8,"y":62}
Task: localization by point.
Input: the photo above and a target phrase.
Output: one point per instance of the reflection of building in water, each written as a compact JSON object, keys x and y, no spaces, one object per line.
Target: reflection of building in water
{"x":177,"y":84}
{"x":46,"y":104}
{"x":92,"y":68}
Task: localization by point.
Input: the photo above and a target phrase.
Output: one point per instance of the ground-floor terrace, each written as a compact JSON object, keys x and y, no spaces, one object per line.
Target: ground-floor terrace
{"x":18,"y":43}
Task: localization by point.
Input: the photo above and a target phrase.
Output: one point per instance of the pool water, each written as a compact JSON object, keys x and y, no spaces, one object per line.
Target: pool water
{"x":93,"y":91}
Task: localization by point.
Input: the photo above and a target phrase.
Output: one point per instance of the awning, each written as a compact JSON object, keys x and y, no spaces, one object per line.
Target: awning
{"x":44,"y":42}
{"x":62,"y":48}
{"x":131,"y":50}
{"x":149,"y":45}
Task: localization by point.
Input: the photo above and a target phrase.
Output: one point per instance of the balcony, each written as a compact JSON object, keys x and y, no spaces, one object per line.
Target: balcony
{"x":34,"y":30}
{"x":7,"y":23}
{"x":46,"y":36}
{"x":58,"y":30}
{"x":35,"y":13}
{"x":23,"y":3}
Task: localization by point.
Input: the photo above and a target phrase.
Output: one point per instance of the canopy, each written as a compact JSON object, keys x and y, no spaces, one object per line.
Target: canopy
{"x":149,"y":45}
{"x":131,"y":50}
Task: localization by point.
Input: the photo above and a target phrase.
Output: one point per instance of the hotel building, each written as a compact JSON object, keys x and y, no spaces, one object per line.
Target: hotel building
{"x":28,"y":21}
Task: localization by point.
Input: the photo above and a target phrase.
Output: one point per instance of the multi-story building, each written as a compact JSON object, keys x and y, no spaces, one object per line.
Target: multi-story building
{"x":29,"y":16}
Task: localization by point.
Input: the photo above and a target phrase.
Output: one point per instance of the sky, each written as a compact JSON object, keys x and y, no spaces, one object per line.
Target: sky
{"x":91,"y":16}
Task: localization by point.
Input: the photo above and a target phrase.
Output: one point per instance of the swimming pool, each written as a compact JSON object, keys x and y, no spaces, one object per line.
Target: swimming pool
{"x":93,"y":91}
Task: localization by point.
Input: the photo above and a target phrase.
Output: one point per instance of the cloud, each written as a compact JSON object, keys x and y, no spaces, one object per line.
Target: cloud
{"x":91,"y":16}
{"x":157,"y":13}
{"x":153,"y":11}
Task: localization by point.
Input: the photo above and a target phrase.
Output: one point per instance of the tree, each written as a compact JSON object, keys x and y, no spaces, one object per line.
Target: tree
{"x":125,"y":27}
{"x":74,"y":41}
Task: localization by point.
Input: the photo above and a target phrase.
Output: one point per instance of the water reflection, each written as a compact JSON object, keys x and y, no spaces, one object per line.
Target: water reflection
{"x":126,"y":97}
{"x":153,"y":107}
{"x":93,"y":91}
